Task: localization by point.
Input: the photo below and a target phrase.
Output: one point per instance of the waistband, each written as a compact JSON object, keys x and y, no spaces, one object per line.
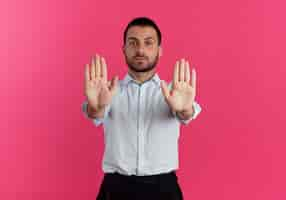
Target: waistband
{"x":169,"y":176}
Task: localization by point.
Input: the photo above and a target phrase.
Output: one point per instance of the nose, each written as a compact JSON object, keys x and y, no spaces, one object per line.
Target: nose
{"x":140,"y":49}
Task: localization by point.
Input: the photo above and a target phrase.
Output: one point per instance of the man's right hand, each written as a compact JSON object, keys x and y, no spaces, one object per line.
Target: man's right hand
{"x":98,"y":90}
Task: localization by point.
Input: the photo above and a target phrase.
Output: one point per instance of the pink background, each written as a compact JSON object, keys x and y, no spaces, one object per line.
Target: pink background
{"x":234,"y":150}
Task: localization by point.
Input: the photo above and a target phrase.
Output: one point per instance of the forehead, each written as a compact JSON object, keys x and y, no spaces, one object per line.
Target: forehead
{"x":141,"y":32}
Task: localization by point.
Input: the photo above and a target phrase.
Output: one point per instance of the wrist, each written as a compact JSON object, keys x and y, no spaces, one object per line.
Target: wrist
{"x":186,"y":113}
{"x":95,"y":112}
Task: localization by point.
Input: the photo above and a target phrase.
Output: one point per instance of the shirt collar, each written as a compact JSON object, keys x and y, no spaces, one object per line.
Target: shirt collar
{"x":155,"y":78}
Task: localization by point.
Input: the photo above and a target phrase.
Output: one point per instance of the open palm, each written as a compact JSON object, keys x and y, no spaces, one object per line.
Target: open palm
{"x":98,"y":90}
{"x":182,"y":94}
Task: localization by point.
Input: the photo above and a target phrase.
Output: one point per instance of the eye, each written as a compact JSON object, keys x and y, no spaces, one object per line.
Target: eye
{"x":149,"y":43}
{"x":132,"y":43}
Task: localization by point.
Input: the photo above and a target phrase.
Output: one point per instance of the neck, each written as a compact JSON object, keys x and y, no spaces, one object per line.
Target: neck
{"x":141,"y":77}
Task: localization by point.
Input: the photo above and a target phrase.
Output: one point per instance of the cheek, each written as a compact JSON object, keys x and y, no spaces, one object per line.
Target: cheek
{"x":153,"y":54}
{"x":129,"y":53}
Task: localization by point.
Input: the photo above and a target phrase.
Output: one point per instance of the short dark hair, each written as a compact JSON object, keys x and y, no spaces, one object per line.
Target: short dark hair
{"x":143,"y":21}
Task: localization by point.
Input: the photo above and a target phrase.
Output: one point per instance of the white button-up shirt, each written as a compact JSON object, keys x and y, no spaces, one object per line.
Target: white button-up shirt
{"x":140,"y":131}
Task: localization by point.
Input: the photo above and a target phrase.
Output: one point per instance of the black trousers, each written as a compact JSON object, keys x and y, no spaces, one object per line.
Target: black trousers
{"x":116,"y":186}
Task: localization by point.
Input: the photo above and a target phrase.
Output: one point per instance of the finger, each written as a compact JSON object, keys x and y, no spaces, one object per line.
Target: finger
{"x":182,"y":70}
{"x":92,"y":75}
{"x":97,"y":66}
{"x":194,"y":78}
{"x":113,"y":84}
{"x":87,"y":73}
{"x":176,"y":74}
{"x":187,"y":74}
{"x":165,"y":89}
{"x":103,"y":70}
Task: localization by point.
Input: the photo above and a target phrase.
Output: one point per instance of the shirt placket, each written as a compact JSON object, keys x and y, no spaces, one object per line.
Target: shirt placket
{"x":140,"y":128}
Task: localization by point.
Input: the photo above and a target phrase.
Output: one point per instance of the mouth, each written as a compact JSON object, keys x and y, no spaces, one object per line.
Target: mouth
{"x":140,"y":58}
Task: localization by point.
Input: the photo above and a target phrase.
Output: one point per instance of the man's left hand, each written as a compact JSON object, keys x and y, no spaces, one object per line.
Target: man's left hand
{"x":182,"y":94}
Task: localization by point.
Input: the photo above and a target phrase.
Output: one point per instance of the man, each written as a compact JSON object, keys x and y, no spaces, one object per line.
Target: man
{"x":141,"y":116}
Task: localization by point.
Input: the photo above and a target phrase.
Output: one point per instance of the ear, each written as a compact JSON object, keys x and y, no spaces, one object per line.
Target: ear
{"x":160,"y":51}
{"x":123,"y":49}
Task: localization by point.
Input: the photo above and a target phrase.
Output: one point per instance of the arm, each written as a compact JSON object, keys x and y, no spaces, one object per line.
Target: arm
{"x":187,"y":114}
{"x":98,"y":90}
{"x":181,"y":96}
{"x":186,"y":119}
{"x":92,"y":113}
{"x":97,"y":118}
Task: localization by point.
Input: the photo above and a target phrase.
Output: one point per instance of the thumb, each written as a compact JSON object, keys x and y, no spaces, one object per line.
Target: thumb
{"x":113,"y":84}
{"x":165,"y":89}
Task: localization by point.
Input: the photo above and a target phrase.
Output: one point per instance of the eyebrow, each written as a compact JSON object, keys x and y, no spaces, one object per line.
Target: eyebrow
{"x":134,"y":38}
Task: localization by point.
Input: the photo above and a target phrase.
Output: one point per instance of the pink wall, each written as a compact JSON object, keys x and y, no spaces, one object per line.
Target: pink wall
{"x":234,"y":150}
